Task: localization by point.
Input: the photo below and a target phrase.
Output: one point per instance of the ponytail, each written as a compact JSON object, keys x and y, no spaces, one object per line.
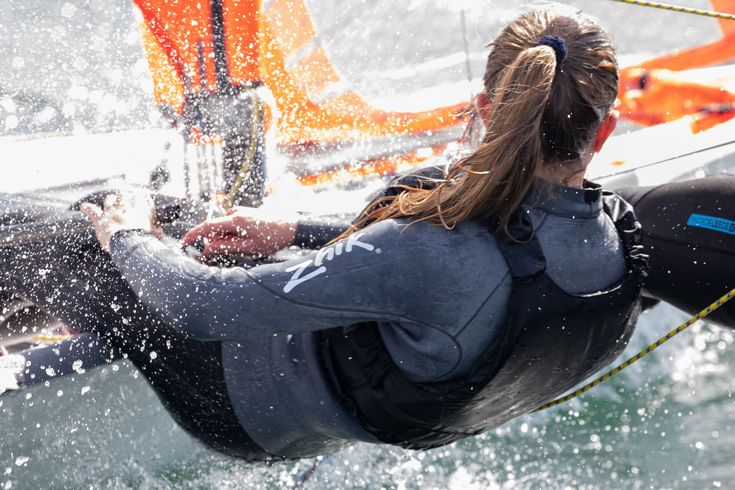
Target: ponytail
{"x":492,"y":182}
{"x":500,"y":173}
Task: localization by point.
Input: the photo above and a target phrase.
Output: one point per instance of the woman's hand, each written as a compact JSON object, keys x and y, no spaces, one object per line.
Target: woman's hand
{"x":122,"y":211}
{"x":245,"y":231}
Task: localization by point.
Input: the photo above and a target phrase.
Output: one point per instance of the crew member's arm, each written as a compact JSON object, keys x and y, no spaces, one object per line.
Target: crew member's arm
{"x":389,"y":271}
{"x":258,"y":232}
{"x":379,"y":273}
{"x":255,"y":232}
{"x":315,"y":233}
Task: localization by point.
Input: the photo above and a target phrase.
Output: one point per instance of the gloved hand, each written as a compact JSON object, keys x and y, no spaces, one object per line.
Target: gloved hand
{"x":244,"y":231}
{"x":122,"y":211}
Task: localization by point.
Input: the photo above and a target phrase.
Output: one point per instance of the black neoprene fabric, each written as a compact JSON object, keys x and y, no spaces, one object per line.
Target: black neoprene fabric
{"x":80,"y":286}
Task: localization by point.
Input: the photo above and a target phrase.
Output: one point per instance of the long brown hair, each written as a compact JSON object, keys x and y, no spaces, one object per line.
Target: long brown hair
{"x":541,"y":113}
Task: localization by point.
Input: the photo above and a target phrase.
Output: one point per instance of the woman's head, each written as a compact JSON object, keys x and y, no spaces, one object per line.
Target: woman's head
{"x":550,"y":82}
{"x":578,"y":83}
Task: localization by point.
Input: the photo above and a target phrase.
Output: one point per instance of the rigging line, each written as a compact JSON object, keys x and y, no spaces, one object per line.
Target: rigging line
{"x":666,"y":160}
{"x":677,"y":8}
{"x":466,"y":42}
{"x":219,"y":48}
{"x":584,"y":389}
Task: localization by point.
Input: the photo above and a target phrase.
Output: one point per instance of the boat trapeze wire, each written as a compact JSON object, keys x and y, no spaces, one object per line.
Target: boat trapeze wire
{"x":601,"y":379}
{"x":666,"y":160}
{"x":680,"y":9}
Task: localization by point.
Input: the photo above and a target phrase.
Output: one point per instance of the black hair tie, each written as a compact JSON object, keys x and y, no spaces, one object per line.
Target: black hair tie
{"x":558,"y":45}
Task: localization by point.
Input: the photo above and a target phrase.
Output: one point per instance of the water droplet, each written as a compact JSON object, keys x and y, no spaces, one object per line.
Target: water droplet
{"x":68,"y":10}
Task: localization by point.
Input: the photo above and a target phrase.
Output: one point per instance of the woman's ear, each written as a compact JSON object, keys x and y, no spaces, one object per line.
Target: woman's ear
{"x":481,"y":104}
{"x":606,"y":129}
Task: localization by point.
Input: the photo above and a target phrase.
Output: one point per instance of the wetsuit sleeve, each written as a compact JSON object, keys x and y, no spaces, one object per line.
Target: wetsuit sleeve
{"x":315,"y":233}
{"x":368,"y":276}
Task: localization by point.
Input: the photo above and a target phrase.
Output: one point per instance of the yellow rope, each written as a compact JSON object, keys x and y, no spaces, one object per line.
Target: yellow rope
{"x":249,"y":156}
{"x":676,"y":8}
{"x":50,"y":338}
{"x":642,"y":353}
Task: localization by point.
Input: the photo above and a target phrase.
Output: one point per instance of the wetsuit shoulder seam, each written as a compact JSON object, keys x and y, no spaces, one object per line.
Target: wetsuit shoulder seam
{"x":484,"y":302}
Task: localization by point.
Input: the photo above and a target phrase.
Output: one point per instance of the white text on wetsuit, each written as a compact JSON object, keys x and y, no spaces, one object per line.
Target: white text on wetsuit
{"x":325,"y":254}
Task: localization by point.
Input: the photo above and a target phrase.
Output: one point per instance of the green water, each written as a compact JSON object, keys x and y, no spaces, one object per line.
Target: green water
{"x":667,"y":422}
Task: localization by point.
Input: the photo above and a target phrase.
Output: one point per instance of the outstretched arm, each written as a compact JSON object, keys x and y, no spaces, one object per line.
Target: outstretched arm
{"x":252,"y":232}
{"x":244,"y":231}
{"x":257,"y":232}
{"x":344,"y":283}
{"x":374,"y":274}
{"x":354,"y":280}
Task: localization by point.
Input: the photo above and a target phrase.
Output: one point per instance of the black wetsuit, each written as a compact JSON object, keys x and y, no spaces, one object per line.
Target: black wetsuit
{"x":76,"y":282}
{"x":438,"y":296}
{"x":689,"y":232}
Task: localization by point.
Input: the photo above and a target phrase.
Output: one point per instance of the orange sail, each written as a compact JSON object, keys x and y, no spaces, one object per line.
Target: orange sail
{"x":664,"y":95}
{"x":709,"y":54}
{"x":195,"y":46}
{"x":183,"y":36}
{"x":662,"y":90}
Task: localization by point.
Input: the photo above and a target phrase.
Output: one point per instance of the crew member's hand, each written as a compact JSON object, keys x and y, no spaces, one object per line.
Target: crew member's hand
{"x":245,"y":231}
{"x":122,"y":211}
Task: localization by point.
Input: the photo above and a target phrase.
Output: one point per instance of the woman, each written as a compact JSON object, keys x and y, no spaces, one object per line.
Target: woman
{"x":448,"y":308}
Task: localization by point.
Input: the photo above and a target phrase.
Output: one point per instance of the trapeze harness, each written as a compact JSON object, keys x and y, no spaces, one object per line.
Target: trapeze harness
{"x":553,"y":340}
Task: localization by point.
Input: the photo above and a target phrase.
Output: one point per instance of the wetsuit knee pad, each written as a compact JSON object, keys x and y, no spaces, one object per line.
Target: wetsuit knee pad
{"x":689,"y":234}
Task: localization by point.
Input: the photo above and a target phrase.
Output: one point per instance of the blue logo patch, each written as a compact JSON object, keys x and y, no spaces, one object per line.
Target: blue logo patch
{"x":712,"y":223}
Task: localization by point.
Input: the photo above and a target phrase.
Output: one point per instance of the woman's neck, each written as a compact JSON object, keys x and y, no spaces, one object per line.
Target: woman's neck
{"x":567,"y":174}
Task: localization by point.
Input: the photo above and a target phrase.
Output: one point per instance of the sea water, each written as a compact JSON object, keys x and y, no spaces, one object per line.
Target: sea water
{"x":666,"y":422}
